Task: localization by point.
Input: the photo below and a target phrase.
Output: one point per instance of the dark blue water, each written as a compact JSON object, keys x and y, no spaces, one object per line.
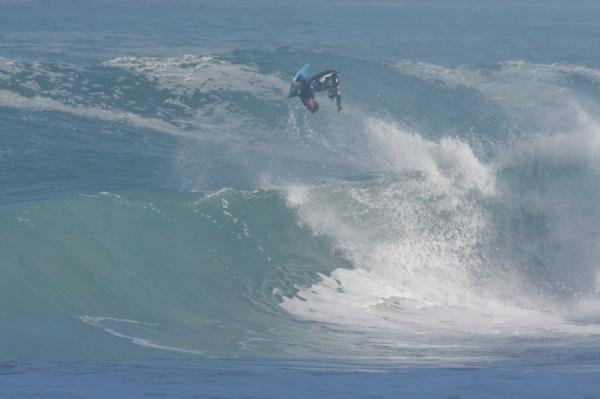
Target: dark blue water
{"x":290,"y":379}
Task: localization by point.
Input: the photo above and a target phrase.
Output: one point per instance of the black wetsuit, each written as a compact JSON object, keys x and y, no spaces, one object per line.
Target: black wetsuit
{"x":306,"y":91}
{"x":327,"y":80}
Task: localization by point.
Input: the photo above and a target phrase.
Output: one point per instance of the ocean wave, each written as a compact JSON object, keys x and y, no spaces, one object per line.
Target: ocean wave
{"x":538,"y":97}
{"x":190,"y":73}
{"x":389,"y":235}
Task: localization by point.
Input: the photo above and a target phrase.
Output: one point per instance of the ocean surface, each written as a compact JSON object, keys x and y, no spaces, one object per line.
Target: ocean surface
{"x":172,"y":225}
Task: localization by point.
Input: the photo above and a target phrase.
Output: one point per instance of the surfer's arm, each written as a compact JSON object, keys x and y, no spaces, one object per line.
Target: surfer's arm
{"x":296,"y":84}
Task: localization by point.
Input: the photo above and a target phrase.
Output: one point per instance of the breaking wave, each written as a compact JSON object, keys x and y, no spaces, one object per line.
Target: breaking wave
{"x":184,"y":205}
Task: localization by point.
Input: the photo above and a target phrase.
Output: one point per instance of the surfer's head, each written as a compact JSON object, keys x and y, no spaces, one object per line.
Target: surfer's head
{"x":311,"y":104}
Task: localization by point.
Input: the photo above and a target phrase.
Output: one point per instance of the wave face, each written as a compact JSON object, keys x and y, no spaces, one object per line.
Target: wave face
{"x":190,"y":273}
{"x":166,"y":206}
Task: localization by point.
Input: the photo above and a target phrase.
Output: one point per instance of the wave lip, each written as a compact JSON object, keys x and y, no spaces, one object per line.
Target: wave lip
{"x":444,"y":244}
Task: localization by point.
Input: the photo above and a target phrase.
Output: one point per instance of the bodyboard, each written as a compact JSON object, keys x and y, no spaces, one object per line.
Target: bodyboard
{"x":303,"y":72}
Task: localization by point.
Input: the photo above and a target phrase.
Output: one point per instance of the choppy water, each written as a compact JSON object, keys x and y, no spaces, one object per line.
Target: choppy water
{"x":162,"y":198}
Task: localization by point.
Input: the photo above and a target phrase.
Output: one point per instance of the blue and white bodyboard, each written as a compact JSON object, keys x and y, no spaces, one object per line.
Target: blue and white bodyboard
{"x":304,"y":72}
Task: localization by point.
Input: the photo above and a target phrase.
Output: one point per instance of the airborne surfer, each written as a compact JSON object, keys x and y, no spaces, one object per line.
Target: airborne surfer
{"x":305,"y":88}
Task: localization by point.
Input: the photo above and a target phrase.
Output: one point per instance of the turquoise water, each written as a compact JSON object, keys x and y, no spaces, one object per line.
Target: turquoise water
{"x":165,"y":206}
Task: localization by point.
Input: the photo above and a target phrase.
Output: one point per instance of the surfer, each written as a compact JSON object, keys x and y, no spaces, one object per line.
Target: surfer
{"x":327,"y":80}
